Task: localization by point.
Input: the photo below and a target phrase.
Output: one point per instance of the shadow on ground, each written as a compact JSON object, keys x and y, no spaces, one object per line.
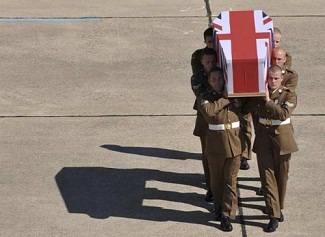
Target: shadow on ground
{"x":154,"y":152}
{"x":104,"y":192}
{"x":251,"y":202}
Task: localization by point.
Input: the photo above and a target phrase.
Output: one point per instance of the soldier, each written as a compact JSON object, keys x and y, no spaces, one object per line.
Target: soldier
{"x":290,"y":77}
{"x":223,"y":146}
{"x":285,"y":64}
{"x":277,"y":42}
{"x":274,"y":142}
{"x":199,"y":83}
{"x":196,"y":56}
{"x":246,"y":123}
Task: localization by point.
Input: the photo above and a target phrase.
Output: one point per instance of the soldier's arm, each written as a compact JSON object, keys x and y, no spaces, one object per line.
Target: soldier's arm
{"x":196,"y":61}
{"x":293,"y":81}
{"x":288,"y":63}
{"x":197,"y":84}
{"x":212,"y":108}
{"x":193,"y":63}
{"x":283,"y":111}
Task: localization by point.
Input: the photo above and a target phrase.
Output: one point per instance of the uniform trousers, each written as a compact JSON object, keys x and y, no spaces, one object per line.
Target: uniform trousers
{"x":246,"y":127}
{"x":274,"y":170}
{"x":223,"y":181}
{"x":205,"y":162}
{"x":200,"y":129}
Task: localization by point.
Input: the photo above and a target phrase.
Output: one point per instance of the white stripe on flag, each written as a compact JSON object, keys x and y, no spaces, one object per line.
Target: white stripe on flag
{"x":262,"y":55}
{"x":259,"y":25}
{"x":226,"y":50}
{"x":225,"y":22}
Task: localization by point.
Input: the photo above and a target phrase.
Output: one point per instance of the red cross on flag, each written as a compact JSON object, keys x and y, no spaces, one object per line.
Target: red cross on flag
{"x":244,"y":41}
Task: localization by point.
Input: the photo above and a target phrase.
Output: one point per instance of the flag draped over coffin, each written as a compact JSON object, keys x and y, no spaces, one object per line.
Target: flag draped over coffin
{"x":244,"y":41}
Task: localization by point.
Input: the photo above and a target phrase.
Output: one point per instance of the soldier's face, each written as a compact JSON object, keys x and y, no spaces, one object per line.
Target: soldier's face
{"x":278,"y":58}
{"x":208,"y":62}
{"x":274,"y":79}
{"x":209,"y":41}
{"x":216,"y":81}
{"x":276,"y":40}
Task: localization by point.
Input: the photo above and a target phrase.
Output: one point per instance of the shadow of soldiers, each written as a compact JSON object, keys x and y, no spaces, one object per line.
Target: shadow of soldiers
{"x":154,"y":152}
{"x":104,"y":192}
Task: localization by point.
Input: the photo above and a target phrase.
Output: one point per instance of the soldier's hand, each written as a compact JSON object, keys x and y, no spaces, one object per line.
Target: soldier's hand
{"x":267,"y":94}
{"x":236,"y":102}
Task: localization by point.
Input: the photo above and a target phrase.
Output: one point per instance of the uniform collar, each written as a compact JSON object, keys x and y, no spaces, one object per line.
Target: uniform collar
{"x":276,"y":93}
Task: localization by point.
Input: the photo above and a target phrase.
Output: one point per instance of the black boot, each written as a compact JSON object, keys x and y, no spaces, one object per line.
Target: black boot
{"x":244,"y":164}
{"x":281,"y":219}
{"x":225,"y":224}
{"x":272,"y":225}
{"x":217,"y":212}
{"x":259,"y":192}
{"x":209,"y":196}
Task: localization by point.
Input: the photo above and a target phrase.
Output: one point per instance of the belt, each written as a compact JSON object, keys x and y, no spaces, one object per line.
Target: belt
{"x":271,"y":122}
{"x":227,"y":126}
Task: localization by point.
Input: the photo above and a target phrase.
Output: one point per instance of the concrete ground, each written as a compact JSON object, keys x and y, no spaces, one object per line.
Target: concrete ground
{"x":96,"y":120}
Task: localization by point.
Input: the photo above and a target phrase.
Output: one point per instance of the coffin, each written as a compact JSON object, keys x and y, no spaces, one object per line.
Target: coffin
{"x":244,"y":41}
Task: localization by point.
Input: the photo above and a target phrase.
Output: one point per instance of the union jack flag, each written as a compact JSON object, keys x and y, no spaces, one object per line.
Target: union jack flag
{"x":244,"y":41}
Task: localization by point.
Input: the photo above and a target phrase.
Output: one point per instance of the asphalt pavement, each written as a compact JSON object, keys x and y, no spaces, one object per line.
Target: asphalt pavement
{"x":96,"y":120}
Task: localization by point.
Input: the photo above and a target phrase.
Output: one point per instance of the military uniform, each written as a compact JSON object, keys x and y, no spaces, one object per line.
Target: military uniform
{"x":223,"y":149}
{"x":274,"y":144}
{"x":288,"y":63}
{"x":246,"y":125}
{"x":196,"y":61}
{"x":290,"y":79}
{"x":199,"y":84}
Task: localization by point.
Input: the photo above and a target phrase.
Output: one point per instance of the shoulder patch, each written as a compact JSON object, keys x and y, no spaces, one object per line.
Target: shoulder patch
{"x":289,"y":104}
{"x":197,"y":86}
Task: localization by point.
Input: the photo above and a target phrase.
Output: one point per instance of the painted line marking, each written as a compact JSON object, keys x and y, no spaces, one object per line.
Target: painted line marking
{"x":49,"y":19}
{"x":192,"y":10}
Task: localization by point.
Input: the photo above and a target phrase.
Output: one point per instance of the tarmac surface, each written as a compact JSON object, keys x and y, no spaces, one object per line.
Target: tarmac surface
{"x":96,"y":120}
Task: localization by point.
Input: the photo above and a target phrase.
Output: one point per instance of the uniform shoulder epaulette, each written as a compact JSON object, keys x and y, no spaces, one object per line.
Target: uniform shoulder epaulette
{"x":286,"y":89}
{"x":204,"y":102}
{"x":197,"y":53}
{"x":291,"y":70}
